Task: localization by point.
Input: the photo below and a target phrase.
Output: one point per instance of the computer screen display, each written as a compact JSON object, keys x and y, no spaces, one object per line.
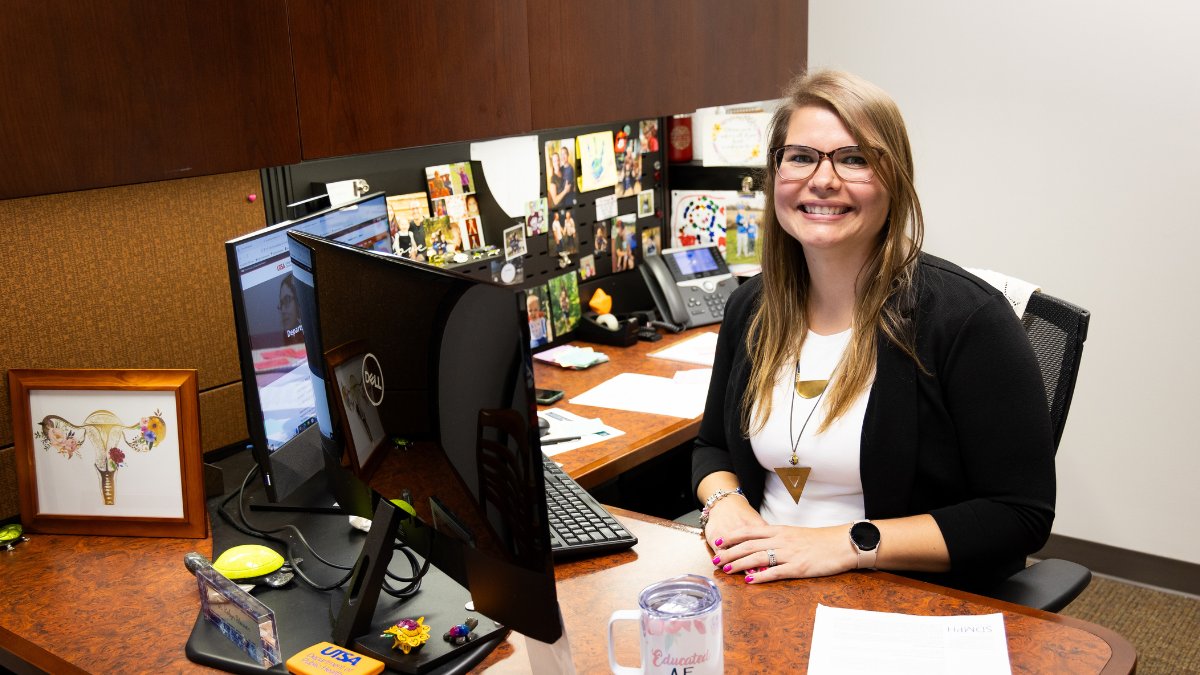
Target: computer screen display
{"x":430,"y":380}
{"x":278,"y":392}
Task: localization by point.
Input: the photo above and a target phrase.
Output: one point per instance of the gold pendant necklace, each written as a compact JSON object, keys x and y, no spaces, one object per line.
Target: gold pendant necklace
{"x":794,"y":477}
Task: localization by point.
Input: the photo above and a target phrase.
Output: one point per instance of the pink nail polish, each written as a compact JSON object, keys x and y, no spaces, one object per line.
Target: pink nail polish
{"x":749,"y":580}
{"x":717,"y":560}
{"x":718,"y":542}
{"x":728,"y":568}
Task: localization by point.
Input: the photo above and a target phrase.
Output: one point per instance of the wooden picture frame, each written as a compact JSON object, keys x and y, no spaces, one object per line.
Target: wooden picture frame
{"x":360,"y":421}
{"x":109,"y":452}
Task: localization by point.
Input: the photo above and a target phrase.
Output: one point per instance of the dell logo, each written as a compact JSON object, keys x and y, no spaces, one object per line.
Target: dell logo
{"x":372,"y":377}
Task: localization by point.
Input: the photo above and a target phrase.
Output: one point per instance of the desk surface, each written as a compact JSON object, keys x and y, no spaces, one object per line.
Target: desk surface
{"x":646,"y":435}
{"x":127,"y":605}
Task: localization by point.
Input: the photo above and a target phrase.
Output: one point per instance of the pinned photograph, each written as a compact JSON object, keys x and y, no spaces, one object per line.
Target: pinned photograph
{"x":743,"y":218}
{"x":442,"y":240}
{"x":645,"y":202}
{"x":587,"y":267}
{"x":508,"y":271}
{"x":597,"y":161}
{"x":438,"y":180}
{"x":560,"y":173}
{"x":563,"y":234}
{"x":536,"y":213}
{"x":537,"y":304}
{"x":629,"y":170}
{"x":649,"y":135}
{"x":624,"y":242}
{"x":564,"y":302}
{"x":514,"y":242}
{"x":472,"y":232}
{"x":600,"y":242}
{"x":456,"y":207}
{"x":651,"y":240}
{"x":462,"y":180}
{"x":406,"y":213}
{"x":606,"y":207}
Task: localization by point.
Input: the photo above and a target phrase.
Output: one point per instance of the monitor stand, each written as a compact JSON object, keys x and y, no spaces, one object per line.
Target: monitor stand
{"x":299,"y":477}
{"x":551,"y":657}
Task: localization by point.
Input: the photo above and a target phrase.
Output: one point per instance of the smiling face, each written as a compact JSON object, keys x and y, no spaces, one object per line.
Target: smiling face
{"x":828,"y":216}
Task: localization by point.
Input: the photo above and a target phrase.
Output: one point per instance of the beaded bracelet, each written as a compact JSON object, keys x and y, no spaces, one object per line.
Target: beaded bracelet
{"x":712,"y":501}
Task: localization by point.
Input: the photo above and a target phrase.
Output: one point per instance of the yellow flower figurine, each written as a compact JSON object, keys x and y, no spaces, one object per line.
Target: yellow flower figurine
{"x":408,"y":634}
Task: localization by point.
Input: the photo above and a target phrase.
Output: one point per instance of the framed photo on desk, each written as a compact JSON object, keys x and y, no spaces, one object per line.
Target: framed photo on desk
{"x":358,"y":389}
{"x":109,"y":452}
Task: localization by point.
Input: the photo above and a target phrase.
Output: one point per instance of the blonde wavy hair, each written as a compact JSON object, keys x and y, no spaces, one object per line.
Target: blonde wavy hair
{"x":886,"y":285}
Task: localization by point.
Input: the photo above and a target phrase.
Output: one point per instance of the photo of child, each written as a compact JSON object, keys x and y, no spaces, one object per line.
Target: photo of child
{"x":514,"y":242}
{"x":537,"y":303}
{"x":463,"y":180}
{"x":564,"y":302}
{"x":535,"y":217}
{"x":406,"y":213}
{"x":651,"y":238}
{"x":587,"y":267}
{"x":624,"y":242}
{"x":649,"y":135}
{"x":629,"y":170}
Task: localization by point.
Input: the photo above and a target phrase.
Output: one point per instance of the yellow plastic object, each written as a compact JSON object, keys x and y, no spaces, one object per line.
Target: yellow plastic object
{"x":601,"y":302}
{"x":326,"y":658}
{"x":247,"y":561}
{"x":404,"y":506}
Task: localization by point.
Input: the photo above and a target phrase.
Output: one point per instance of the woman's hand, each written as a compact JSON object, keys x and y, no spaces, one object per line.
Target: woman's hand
{"x":800,"y":552}
{"x":729,"y":516}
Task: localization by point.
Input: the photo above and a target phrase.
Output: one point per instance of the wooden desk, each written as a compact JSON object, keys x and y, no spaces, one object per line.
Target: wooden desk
{"x":126,"y":605}
{"x":646,"y":435}
{"x":768,"y":627}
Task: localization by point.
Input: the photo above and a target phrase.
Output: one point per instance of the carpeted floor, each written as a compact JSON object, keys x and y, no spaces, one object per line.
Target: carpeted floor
{"x":1163,"y":627}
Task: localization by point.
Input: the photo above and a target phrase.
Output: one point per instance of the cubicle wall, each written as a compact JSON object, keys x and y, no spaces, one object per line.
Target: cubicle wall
{"x":126,"y":277}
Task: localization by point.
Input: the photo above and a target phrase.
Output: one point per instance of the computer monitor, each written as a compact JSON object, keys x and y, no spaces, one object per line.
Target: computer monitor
{"x":280,"y":403}
{"x":432,"y":370}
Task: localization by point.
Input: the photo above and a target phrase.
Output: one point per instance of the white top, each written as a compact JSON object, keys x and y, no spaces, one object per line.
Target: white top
{"x":833,"y":493}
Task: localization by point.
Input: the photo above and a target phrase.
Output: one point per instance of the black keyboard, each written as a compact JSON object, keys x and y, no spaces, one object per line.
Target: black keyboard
{"x":579,"y":525}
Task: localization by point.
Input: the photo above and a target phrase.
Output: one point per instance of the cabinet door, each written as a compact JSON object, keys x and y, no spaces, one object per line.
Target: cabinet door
{"x":592,"y":62}
{"x":377,"y":75}
{"x":102,"y":92}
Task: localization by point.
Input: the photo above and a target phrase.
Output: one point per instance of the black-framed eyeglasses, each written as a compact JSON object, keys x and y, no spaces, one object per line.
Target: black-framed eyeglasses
{"x":800,"y":162}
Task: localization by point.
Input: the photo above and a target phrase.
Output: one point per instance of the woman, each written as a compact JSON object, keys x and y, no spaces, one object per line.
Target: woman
{"x":857,"y":378}
{"x":556,"y":186}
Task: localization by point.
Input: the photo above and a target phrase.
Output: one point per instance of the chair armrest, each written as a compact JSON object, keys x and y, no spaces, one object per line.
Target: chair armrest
{"x":1050,"y":585}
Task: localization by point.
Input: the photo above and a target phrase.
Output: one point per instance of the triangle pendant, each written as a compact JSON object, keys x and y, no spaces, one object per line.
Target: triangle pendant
{"x":794,"y":478}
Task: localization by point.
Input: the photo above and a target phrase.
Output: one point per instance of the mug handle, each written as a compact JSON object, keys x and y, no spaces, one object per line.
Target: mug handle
{"x":621,"y":615}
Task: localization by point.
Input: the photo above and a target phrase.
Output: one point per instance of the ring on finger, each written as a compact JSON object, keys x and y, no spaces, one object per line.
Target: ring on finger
{"x":771,"y":561}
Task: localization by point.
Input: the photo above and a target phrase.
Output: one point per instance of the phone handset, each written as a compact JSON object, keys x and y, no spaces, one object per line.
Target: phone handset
{"x":663,"y":289}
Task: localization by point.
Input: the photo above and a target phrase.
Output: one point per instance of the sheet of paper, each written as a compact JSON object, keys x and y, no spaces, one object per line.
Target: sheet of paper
{"x":648,"y":394}
{"x":564,"y":424}
{"x":699,"y":350}
{"x":853,"y":641}
{"x":512,"y":170}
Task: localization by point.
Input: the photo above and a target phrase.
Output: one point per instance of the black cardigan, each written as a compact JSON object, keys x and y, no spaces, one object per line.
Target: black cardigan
{"x":969,"y":442}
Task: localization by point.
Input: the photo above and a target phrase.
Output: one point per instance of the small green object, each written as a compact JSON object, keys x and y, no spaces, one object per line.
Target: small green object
{"x":10,"y":533}
{"x":404,"y":506}
{"x":248,"y":561}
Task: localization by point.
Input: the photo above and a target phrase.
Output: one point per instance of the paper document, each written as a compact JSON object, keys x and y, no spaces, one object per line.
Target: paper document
{"x":699,"y":350}
{"x":566,"y":425}
{"x":648,"y":394}
{"x":852,"y":641}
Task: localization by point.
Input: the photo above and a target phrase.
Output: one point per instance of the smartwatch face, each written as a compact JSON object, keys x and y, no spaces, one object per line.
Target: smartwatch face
{"x":865,"y":536}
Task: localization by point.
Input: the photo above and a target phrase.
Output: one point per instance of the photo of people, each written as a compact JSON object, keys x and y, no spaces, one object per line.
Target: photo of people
{"x":537,"y":304}
{"x":645,"y":202}
{"x":514,"y":242}
{"x":456,"y":206}
{"x":649,"y":135}
{"x":597,"y":161}
{"x":600,"y":242}
{"x":535,"y":217}
{"x":651,"y":238}
{"x":406,"y":213}
{"x":743,"y":217}
{"x":563,"y":237}
{"x":442,"y":240}
{"x":587,"y":267}
{"x":438,"y":179}
{"x":462,"y":178}
{"x":474,"y":232}
{"x":564,"y":302}
{"x":624,"y":242}
{"x":560,"y":173}
{"x":629,"y":170}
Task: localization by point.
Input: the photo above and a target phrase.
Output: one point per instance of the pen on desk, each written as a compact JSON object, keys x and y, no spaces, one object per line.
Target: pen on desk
{"x":564,"y":439}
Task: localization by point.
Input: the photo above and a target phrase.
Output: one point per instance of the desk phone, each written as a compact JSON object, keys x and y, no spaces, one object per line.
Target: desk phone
{"x":690,"y":285}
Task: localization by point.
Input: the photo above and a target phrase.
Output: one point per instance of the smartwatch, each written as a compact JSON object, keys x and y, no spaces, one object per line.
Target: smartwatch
{"x":864,"y":537}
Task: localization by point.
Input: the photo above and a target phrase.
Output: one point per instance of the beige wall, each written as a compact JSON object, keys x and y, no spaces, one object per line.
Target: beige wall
{"x":125,"y":277}
{"x":1057,"y":141}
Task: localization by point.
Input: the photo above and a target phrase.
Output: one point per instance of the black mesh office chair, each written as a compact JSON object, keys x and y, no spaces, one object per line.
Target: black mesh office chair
{"x":1057,"y":330}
